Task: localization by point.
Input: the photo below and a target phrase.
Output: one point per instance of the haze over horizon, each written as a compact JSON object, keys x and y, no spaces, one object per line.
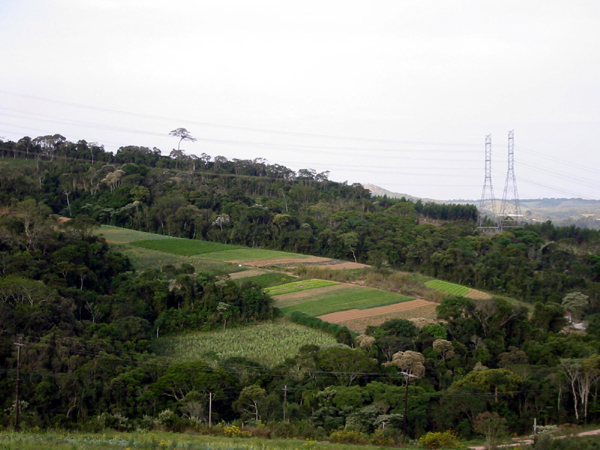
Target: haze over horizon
{"x":395,"y":94}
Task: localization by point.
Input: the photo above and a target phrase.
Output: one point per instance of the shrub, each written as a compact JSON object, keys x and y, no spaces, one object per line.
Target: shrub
{"x":348,"y":437}
{"x":444,"y":439}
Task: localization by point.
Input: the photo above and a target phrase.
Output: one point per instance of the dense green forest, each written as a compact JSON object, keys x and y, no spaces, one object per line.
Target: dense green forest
{"x":87,"y":317}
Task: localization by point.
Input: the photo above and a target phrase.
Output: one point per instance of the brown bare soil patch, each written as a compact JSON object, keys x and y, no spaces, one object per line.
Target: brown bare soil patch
{"x":281,"y":262}
{"x":420,"y":315}
{"x":245,"y":274}
{"x":62,"y":220}
{"x":290,"y":299}
{"x":344,"y":316}
{"x":343,"y":265}
{"x":477,"y":295}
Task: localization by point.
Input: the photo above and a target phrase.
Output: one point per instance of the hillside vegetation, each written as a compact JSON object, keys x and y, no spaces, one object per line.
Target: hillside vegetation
{"x":92,"y":315}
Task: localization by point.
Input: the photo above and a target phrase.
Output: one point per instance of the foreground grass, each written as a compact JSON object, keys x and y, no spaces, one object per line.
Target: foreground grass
{"x":266,"y":343}
{"x":55,"y":440}
{"x":344,"y":299}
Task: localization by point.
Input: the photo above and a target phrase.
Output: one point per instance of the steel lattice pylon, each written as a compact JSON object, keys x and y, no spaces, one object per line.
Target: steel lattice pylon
{"x":487,"y":204}
{"x":510,"y":210}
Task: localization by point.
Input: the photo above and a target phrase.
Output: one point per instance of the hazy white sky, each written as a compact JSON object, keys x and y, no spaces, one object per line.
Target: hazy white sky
{"x":394,"y":93}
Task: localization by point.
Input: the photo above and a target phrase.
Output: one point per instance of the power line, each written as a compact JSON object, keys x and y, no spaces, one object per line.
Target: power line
{"x":234,"y":127}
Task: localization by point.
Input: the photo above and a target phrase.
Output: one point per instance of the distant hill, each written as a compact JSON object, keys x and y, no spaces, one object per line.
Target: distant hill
{"x":561,"y":211}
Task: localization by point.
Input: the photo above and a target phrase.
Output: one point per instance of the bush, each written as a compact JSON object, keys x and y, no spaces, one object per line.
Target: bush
{"x":348,"y":437}
{"x":445,"y":439}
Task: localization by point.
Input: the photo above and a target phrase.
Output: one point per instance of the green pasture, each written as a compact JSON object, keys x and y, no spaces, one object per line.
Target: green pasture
{"x":118,"y":235}
{"x":267,"y":279}
{"x":344,"y":299}
{"x":450,"y":288}
{"x":183,"y":247}
{"x":296,"y":286}
{"x":254,"y":254}
{"x":266,"y":343}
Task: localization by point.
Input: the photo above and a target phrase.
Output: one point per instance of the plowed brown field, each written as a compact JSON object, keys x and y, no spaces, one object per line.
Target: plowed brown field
{"x":477,"y":295}
{"x":359,"y":319}
{"x":245,"y":274}
{"x":344,"y":316}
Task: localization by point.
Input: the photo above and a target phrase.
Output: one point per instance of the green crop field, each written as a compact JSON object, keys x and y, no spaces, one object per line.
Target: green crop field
{"x":266,"y":343}
{"x":344,"y":299}
{"x":267,"y":279}
{"x":297,"y":286}
{"x":118,"y":235}
{"x":143,"y":259}
{"x":184,"y":247}
{"x":450,"y":288}
{"x":254,"y":254}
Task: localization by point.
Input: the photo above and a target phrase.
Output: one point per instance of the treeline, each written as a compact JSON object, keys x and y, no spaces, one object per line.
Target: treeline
{"x":256,"y":204}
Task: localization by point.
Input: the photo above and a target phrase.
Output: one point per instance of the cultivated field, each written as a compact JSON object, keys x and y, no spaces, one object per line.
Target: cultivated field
{"x":184,"y":247}
{"x":457,"y":289}
{"x":265,"y":280}
{"x":255,"y":257}
{"x":359,"y":319}
{"x":297,"y":286}
{"x":449,"y":288}
{"x":351,"y":297}
{"x":116,"y":235}
{"x":266,"y":343}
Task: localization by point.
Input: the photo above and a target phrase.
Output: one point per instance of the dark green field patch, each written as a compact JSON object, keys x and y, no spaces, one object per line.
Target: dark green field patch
{"x":267,"y":279}
{"x":184,"y":247}
{"x":344,"y":299}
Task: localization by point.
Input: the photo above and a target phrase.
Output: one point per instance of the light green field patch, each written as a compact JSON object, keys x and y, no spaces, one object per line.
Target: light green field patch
{"x":267,"y":279}
{"x":184,"y":247}
{"x":143,"y":259}
{"x":297,"y":286}
{"x":254,"y":254}
{"x":118,"y":235}
{"x":344,"y":299}
{"x":266,"y":343}
{"x":450,"y":288}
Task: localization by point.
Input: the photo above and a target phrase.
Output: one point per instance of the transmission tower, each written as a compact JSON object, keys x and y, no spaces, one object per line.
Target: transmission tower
{"x":487,"y":204}
{"x":510,"y":210}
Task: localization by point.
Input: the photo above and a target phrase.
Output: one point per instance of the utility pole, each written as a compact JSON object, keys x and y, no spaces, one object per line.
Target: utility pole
{"x":407,"y":376}
{"x":285,"y":390}
{"x":210,"y":409}
{"x":18,"y":343}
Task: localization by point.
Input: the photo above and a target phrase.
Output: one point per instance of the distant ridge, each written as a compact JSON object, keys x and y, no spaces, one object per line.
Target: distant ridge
{"x":561,"y":211}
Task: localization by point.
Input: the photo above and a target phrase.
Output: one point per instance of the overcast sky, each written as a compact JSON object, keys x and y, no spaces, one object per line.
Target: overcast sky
{"x":394,"y":93}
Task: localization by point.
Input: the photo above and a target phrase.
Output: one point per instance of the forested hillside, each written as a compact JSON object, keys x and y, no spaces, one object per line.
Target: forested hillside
{"x":87,"y":317}
{"x":256,"y":204}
